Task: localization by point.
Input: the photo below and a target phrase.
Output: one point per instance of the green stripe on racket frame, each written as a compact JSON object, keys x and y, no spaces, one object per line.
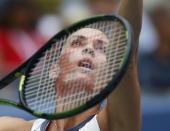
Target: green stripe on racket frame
{"x":77,"y":68}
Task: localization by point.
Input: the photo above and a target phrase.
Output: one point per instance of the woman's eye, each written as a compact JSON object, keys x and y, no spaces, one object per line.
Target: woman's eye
{"x":102,"y":49}
{"x":99,"y":45}
{"x":76,"y":43}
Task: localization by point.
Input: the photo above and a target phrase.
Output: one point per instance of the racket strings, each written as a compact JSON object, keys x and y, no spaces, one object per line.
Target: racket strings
{"x":40,"y":92}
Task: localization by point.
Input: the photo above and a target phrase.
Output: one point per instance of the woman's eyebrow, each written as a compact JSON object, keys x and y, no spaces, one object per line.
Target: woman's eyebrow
{"x":102,"y":41}
{"x":77,"y":37}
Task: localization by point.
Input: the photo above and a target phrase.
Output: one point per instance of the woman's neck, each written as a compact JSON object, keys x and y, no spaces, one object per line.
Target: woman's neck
{"x":64,"y":124}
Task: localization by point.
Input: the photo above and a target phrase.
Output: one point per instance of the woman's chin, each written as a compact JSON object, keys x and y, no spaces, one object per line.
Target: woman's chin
{"x":76,"y":82}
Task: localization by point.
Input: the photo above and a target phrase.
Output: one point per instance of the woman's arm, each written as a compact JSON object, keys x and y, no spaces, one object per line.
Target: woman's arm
{"x":15,"y":124}
{"x":123,"y":109}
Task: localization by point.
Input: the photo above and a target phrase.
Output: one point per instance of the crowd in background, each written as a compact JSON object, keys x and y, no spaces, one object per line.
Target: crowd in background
{"x":25,"y":26}
{"x":154,"y":65}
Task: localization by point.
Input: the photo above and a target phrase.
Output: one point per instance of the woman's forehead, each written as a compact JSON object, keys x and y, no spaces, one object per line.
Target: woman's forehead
{"x":89,"y":32}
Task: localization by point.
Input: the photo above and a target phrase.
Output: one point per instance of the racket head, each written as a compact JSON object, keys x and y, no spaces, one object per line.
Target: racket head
{"x":44,"y":106}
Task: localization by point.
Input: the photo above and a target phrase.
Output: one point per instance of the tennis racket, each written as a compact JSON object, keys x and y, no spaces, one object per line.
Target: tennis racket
{"x":75,"y":70}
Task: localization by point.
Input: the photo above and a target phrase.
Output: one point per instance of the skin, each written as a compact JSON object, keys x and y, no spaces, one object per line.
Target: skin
{"x":122,"y":112}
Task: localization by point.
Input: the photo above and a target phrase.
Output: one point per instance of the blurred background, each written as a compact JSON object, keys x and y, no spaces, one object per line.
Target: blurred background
{"x":25,"y":25}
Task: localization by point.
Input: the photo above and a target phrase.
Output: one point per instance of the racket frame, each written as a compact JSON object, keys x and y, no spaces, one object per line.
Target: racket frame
{"x":23,"y":70}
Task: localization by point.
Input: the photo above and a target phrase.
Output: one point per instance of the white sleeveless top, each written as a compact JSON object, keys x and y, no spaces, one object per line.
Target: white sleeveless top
{"x":91,"y":125}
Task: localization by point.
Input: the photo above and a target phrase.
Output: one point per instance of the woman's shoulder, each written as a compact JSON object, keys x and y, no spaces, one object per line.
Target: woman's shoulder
{"x":15,"y":124}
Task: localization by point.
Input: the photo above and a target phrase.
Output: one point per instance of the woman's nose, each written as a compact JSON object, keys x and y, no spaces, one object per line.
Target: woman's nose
{"x":88,"y":51}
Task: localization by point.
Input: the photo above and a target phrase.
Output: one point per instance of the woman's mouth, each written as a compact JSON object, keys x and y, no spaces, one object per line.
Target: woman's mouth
{"x":86,"y":64}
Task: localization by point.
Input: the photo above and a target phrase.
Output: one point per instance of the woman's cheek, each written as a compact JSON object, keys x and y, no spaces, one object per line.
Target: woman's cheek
{"x":101,"y":59}
{"x":75,"y":56}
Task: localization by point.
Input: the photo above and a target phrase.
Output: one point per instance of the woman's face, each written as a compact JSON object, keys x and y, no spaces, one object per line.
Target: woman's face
{"x":82,"y":57}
